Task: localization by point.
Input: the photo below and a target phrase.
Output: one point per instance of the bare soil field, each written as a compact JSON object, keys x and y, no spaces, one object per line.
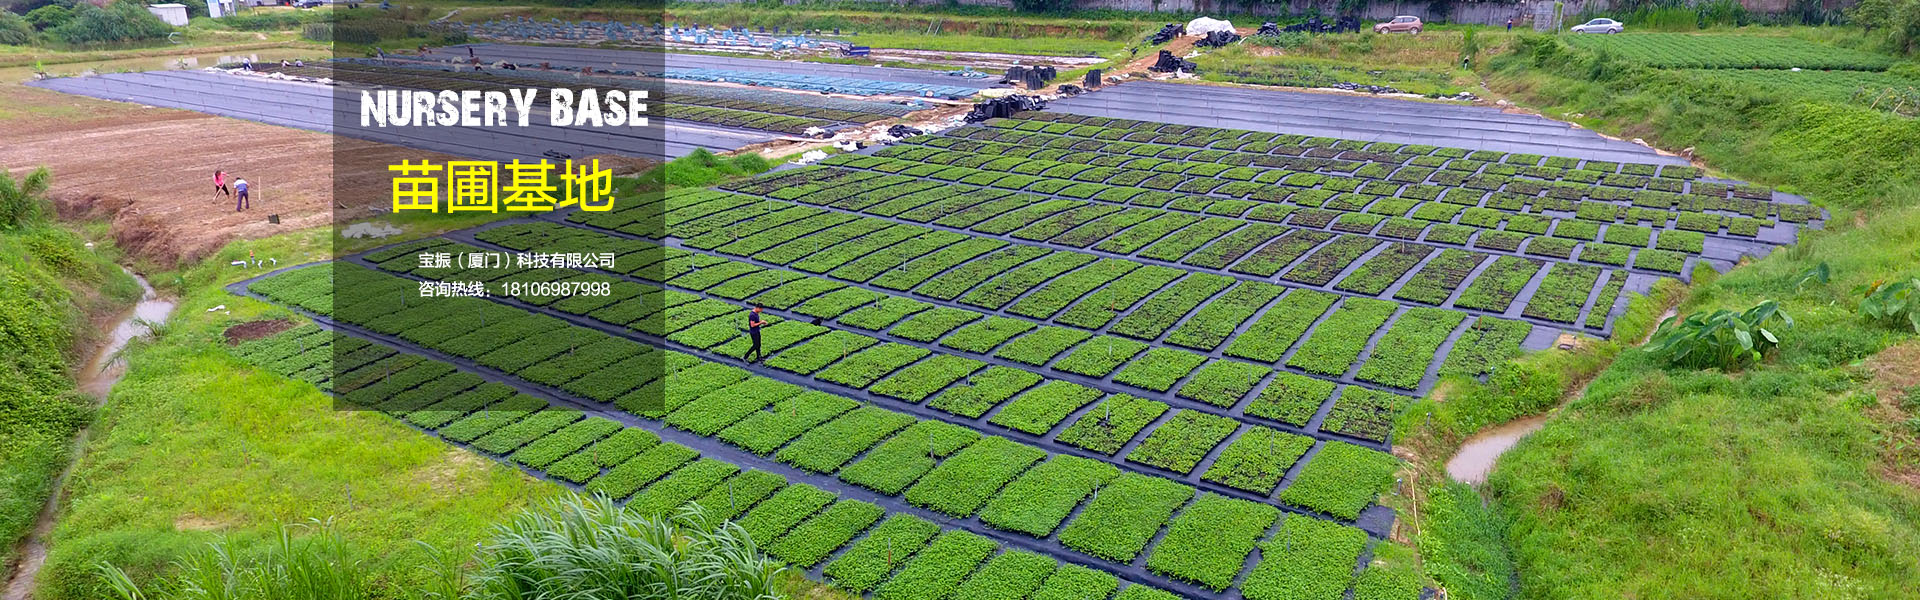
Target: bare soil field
{"x":150,"y":170}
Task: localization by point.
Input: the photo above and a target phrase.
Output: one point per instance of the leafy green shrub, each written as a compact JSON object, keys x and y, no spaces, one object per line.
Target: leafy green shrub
{"x":1897,"y":303}
{"x":1722,"y":339}
{"x":118,"y":22}
{"x":25,"y":200}
{"x":14,"y":30}
{"x":48,"y":17}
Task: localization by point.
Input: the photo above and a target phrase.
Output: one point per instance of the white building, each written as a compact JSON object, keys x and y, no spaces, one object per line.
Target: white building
{"x":219,"y":8}
{"x":172,"y":14}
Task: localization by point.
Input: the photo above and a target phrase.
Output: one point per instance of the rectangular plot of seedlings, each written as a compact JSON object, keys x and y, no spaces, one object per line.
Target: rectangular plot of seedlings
{"x":1180,"y":443}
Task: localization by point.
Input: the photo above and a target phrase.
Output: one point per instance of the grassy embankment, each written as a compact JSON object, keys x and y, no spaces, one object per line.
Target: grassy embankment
{"x":196,"y":445}
{"x":1100,"y":34}
{"x":53,"y":289}
{"x":201,"y":36}
{"x":1790,"y":478}
{"x":1427,"y":64}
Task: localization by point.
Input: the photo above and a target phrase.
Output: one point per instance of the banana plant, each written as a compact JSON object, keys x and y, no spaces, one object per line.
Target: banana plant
{"x":1897,"y":303}
{"x":1721,"y":339}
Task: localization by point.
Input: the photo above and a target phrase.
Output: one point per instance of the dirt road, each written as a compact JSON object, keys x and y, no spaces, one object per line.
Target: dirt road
{"x":150,"y":170}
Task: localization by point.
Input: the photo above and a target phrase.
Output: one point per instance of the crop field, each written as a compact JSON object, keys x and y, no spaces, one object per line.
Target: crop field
{"x":1687,"y":51}
{"x":790,"y":113}
{"x":327,"y":109}
{"x":805,"y":76}
{"x":1046,"y":355}
{"x":1885,"y":91}
{"x":807,"y":473}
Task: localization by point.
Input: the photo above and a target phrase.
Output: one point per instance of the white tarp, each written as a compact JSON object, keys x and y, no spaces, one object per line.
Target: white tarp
{"x":1203,"y":26}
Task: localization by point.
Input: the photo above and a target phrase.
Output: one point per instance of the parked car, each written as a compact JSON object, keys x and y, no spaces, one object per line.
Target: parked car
{"x":1400,"y":24}
{"x":1600,"y":26}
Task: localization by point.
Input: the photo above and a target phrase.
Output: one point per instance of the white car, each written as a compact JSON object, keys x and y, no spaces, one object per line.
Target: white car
{"x":1600,"y":26}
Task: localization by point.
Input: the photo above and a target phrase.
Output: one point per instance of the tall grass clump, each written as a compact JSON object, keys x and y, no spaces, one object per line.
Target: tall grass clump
{"x":572,"y":547}
{"x":592,"y":547}
{"x":320,"y":566}
{"x":702,"y":168}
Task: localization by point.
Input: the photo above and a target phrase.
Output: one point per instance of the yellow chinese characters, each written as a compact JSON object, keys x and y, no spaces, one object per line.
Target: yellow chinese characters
{"x":488,"y":186}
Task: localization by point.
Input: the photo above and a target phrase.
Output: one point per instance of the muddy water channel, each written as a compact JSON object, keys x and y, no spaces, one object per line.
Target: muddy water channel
{"x":105,"y":369}
{"x":102,"y":370}
{"x":1477,"y":456}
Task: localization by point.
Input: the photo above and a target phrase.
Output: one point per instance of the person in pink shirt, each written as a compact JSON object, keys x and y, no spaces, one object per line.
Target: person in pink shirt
{"x":220,"y":183}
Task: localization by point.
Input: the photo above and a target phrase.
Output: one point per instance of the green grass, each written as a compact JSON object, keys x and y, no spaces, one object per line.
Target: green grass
{"x":50,"y":284}
{"x":238,"y":445}
{"x":1045,"y":46}
{"x":1240,"y":65}
{"x":1793,"y":141}
{"x":1678,"y":50}
{"x":1787,"y":432}
{"x":1712,"y":451}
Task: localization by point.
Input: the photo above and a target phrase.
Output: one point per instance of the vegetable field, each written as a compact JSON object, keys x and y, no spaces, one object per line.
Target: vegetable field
{"x":770,"y":111}
{"x":1887,"y":91}
{"x":1047,"y":356}
{"x":1688,"y":51}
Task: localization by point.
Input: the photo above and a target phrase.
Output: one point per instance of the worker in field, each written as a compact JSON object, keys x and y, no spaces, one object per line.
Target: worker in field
{"x":240,"y":199}
{"x":754,"y":323}
{"x":220,"y":183}
{"x":1509,"y":24}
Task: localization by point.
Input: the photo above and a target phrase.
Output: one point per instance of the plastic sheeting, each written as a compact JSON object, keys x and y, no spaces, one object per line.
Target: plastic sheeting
{"x":1204,"y":25}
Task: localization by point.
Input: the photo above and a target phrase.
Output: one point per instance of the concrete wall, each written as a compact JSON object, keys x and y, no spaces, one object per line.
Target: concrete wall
{"x":172,"y":14}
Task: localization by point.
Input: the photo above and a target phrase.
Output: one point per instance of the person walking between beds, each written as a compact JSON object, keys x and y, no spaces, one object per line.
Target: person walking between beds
{"x":220,"y":183}
{"x":754,"y":323}
{"x":240,"y":199}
